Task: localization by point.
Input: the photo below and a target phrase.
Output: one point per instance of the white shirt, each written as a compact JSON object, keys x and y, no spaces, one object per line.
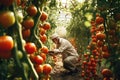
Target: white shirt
{"x":66,"y":48}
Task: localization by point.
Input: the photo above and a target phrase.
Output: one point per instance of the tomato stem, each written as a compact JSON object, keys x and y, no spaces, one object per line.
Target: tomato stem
{"x":34,"y":38}
{"x":18,"y":29}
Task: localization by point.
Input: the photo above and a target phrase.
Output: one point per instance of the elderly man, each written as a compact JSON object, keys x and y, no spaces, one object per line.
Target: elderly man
{"x":69,"y":54}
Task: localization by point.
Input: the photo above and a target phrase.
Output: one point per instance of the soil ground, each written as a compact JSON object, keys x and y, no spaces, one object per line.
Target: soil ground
{"x":58,"y":72}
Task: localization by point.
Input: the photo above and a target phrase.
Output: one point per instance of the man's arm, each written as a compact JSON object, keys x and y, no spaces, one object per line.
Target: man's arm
{"x":50,"y":51}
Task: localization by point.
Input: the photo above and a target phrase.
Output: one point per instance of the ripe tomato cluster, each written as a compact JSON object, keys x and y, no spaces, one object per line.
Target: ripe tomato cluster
{"x":44,"y":26}
{"x":38,"y":56}
{"x":97,"y":50}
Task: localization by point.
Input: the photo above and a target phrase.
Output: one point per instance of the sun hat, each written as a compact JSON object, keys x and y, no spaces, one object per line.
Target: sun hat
{"x":55,"y":35}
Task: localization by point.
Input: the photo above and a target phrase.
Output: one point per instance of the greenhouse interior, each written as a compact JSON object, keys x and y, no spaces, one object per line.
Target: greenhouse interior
{"x":59,"y":39}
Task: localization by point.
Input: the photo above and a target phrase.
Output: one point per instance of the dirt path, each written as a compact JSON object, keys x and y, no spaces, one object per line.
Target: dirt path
{"x":58,"y":72}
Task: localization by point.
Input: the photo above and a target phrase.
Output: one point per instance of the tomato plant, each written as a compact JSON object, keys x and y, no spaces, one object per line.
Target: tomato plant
{"x":20,"y":38}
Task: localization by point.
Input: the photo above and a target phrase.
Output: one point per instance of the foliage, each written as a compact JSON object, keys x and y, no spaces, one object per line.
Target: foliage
{"x":110,"y":10}
{"x":77,"y":27}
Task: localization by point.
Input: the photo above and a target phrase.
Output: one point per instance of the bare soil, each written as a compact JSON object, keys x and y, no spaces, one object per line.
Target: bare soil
{"x":58,"y":72}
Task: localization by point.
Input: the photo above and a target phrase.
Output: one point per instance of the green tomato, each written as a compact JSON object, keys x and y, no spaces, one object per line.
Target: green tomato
{"x":11,"y":68}
{"x":20,"y":54}
{"x":20,"y":16}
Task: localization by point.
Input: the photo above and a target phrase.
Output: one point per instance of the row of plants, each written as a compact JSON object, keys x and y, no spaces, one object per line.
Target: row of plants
{"x":23,"y":38}
{"x":97,"y":38}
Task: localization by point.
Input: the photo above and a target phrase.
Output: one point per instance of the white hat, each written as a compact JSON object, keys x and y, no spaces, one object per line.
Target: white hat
{"x":55,"y":35}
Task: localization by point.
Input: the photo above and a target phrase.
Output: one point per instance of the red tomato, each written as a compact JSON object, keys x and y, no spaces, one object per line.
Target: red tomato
{"x":39,"y":68}
{"x":18,"y":2}
{"x":32,"y":57}
{"x":6,"y":43}
{"x":82,"y":74}
{"x":84,"y":62}
{"x":42,"y":31}
{"x":106,"y":55}
{"x":5,"y":54}
{"x":47,"y":68}
{"x":38,"y":59}
{"x":54,"y":58}
{"x":108,"y":78}
{"x":43,"y":38}
{"x":100,"y":43}
{"x":26,"y":33}
{"x":46,"y":26}
{"x":99,"y":20}
{"x":105,"y":48}
{"x":44,"y":49}
{"x":92,"y":45}
{"x":28,"y":23}
{"x":100,"y":36}
{"x":43,"y":55}
{"x":32,"y":10}
{"x":30,"y":48}
{"x":93,"y":29}
{"x":106,"y":72}
{"x":44,"y":16}
{"x":100,"y":28}
{"x":7,"y":19}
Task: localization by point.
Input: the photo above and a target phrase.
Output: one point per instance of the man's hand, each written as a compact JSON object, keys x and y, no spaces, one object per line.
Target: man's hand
{"x":51,"y":53}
